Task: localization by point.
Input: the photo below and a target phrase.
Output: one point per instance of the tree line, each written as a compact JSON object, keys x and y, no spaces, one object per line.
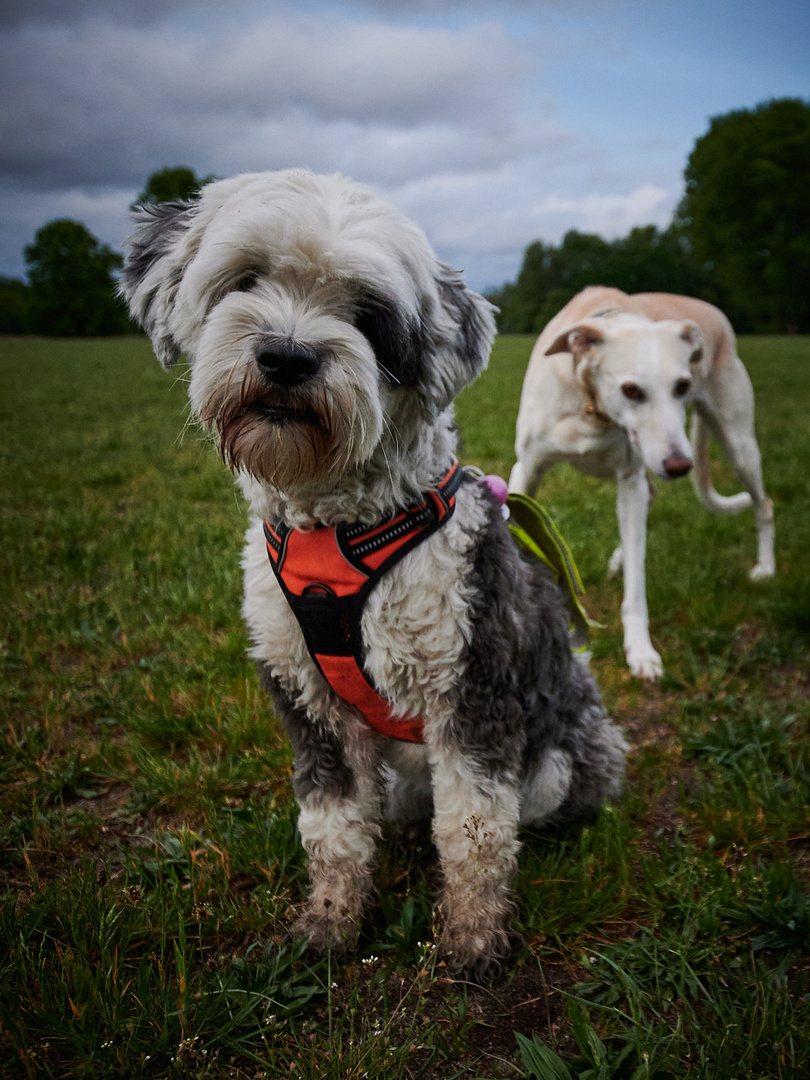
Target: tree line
{"x":646,"y":260}
{"x":740,"y":238}
{"x":70,"y":290}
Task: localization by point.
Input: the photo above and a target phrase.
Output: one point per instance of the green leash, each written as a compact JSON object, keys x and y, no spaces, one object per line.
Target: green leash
{"x":536,"y":533}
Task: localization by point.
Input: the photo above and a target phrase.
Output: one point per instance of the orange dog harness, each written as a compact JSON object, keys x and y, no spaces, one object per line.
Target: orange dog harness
{"x":327,"y":575}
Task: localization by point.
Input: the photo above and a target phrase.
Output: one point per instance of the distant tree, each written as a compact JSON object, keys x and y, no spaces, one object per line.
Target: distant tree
{"x":518,"y":301}
{"x":646,"y":260}
{"x":14,"y":303}
{"x":649,"y":260}
{"x":72,"y":291}
{"x":581,"y":259}
{"x":167,"y":185}
{"x":746,"y":212}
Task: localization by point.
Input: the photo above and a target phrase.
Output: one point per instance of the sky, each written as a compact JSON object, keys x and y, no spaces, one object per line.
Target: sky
{"x":491,"y":124}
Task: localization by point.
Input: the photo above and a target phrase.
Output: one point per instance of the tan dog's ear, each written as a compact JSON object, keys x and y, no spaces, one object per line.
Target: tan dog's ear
{"x":576,"y":340}
{"x":693,"y":335}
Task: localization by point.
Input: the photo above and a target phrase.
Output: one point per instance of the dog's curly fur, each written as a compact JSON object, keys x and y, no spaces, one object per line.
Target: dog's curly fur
{"x":326,"y":344}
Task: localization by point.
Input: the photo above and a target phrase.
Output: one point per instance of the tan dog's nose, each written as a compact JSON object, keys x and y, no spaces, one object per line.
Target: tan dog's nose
{"x":677,"y":464}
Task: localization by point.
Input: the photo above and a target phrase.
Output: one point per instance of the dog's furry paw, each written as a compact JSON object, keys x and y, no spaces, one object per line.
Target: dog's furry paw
{"x":645,"y":664}
{"x":760,"y":572}
{"x":478,"y":959}
{"x":323,"y":930}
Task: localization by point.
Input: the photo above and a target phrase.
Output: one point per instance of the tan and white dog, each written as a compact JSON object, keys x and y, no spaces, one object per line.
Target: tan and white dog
{"x":606,"y":390}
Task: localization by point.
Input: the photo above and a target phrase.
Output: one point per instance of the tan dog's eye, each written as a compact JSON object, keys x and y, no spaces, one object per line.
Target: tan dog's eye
{"x":682,"y":387}
{"x":633,"y":392}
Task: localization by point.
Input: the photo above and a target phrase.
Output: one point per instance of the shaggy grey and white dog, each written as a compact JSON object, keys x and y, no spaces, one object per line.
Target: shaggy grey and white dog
{"x":326,"y":344}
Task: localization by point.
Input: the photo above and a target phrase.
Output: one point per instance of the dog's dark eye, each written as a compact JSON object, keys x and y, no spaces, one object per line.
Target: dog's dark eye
{"x":394,"y":342}
{"x":633,"y":392}
{"x":246,"y":282}
{"x":682,"y":387}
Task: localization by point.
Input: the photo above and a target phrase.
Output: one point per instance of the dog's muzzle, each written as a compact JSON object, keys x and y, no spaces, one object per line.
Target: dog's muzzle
{"x":287,"y":363}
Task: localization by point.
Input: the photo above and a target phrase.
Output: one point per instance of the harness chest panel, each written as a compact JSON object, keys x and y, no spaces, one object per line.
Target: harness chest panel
{"x":327,"y":574}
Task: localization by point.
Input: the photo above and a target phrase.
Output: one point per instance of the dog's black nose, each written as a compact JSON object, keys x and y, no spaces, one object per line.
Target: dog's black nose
{"x":677,"y":464}
{"x":287,"y":363}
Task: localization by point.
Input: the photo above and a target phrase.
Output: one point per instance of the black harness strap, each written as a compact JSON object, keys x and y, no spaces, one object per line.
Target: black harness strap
{"x":327,"y":574}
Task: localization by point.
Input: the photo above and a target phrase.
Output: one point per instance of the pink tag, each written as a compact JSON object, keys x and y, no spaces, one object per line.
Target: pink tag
{"x":498,"y":487}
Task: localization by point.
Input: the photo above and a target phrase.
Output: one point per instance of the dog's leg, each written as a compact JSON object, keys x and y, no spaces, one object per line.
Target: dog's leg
{"x":571,"y":780}
{"x":475,"y":831}
{"x":337,"y":784}
{"x":729,"y":411}
{"x":526,"y":475}
{"x":633,"y":499}
{"x":745,"y":458}
{"x":749,"y":469}
{"x":339,"y":833}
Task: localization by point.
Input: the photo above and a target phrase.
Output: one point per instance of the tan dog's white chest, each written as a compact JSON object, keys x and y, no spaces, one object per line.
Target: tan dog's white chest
{"x":597,"y":448}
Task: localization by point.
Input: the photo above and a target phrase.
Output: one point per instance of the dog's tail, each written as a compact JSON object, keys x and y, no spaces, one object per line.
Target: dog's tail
{"x":702,"y":476}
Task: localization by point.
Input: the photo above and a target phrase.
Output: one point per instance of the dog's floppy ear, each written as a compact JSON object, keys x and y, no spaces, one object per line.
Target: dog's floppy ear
{"x":576,"y":340}
{"x":475,"y":317}
{"x":693,"y":335}
{"x":460,"y":338}
{"x":153,"y":269}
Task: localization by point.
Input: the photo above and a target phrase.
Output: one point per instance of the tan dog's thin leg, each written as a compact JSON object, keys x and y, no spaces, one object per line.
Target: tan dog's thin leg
{"x":745,"y":457}
{"x":633,"y":498}
{"x":525,"y":479}
{"x":728,"y":410}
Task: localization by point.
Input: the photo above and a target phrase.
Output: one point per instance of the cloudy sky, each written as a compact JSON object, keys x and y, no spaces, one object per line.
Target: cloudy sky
{"x":490,"y":123}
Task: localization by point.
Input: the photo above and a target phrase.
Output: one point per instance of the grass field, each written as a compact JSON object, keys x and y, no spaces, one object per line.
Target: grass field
{"x":148,"y":854}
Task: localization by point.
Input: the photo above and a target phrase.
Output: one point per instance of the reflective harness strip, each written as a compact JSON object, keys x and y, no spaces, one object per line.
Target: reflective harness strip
{"x":327,"y":574}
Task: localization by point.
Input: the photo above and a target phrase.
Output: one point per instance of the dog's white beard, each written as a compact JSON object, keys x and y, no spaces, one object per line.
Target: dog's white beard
{"x":290,"y":438}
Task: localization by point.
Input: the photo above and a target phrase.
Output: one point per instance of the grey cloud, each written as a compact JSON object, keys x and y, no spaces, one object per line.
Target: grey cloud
{"x":144,"y":12}
{"x":110,"y":102}
{"x":387,"y":156}
{"x":94,"y":101}
{"x":15,"y":13}
{"x":482,"y":223}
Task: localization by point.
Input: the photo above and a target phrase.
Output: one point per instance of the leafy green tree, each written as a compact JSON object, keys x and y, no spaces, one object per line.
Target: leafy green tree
{"x":581,"y":259}
{"x":72,"y":291}
{"x":646,"y":260}
{"x":649,"y":260}
{"x":518,"y":301}
{"x":168,"y":185}
{"x":746,"y":212}
{"x":14,"y":302}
